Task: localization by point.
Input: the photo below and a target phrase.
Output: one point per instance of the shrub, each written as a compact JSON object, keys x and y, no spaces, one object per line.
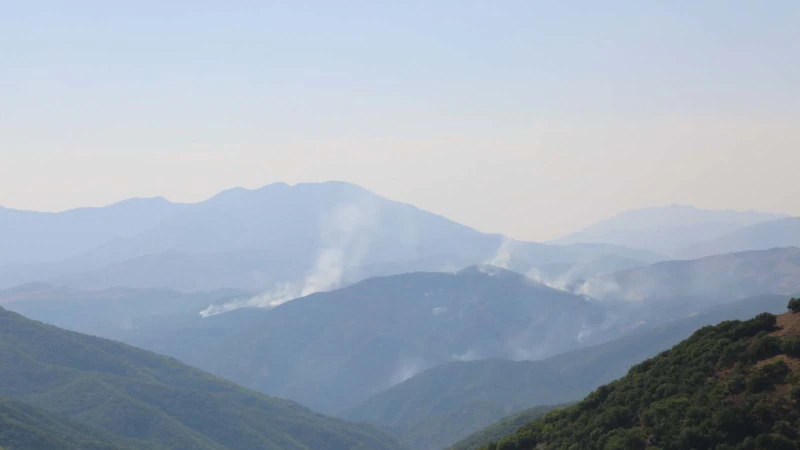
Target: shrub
{"x":776,"y":371}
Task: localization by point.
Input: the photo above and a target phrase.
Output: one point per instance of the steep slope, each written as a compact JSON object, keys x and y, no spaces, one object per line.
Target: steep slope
{"x":503,"y":428}
{"x":23,"y":426}
{"x":667,"y":229}
{"x":422,"y":409}
{"x":331,"y":350}
{"x":774,"y":233}
{"x":732,"y":386}
{"x":445,"y":403}
{"x":734,"y":275}
{"x":302,"y":238}
{"x":156,"y":401}
{"x":29,"y":236}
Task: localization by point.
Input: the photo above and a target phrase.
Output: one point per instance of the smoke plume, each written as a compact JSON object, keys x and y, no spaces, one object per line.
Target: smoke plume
{"x":345,"y":234}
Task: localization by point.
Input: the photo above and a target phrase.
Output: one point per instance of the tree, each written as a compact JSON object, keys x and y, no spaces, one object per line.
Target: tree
{"x":794,"y":305}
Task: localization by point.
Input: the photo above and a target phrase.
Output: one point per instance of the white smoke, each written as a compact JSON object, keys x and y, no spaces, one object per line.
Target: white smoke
{"x":562,"y":282}
{"x":407,"y":367}
{"x":345,"y":233}
{"x":281,"y":294}
{"x":469,"y":355}
{"x":598,"y":287}
{"x":502,"y":256}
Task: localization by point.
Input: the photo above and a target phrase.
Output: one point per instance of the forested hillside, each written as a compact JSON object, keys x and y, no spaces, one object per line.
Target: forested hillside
{"x":147,"y":401}
{"x":502,"y":428}
{"x":24,"y":427}
{"x":734,"y":386}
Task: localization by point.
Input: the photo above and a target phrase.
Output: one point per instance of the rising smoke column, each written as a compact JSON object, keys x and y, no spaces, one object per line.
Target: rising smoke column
{"x":345,"y":233}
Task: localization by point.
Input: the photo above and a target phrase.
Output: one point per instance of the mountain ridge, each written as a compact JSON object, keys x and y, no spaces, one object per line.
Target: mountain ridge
{"x":154,"y":400}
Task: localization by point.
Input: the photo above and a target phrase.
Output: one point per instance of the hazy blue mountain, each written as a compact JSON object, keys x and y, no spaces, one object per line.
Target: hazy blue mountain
{"x":448,"y":402}
{"x":111,"y":313}
{"x":503,"y":427}
{"x":667,"y":229}
{"x":151,"y":401}
{"x":330,"y":350}
{"x":29,"y":236}
{"x":775,"y":233}
{"x":474,"y":394}
{"x":563,"y":276}
{"x":705,"y":281}
{"x":303,"y":238}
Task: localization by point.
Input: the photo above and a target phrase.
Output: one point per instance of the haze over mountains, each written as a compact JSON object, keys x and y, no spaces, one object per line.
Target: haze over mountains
{"x":147,"y":401}
{"x":706,"y":280}
{"x":679,"y":230}
{"x":352,"y":304}
{"x":296,"y":239}
{"x":438,"y":406}
{"x":331,"y":350}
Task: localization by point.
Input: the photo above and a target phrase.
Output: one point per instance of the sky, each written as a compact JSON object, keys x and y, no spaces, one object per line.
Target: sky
{"x":529,"y":118}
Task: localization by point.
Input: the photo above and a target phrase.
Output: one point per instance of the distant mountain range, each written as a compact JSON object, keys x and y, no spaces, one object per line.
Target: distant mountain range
{"x":65,"y":390}
{"x":113,"y":312}
{"x":774,"y":233}
{"x":701,"y":282}
{"x":332,"y":296}
{"x":333,"y":349}
{"x":34,"y":237}
{"x":299,"y":239}
{"x":679,"y":230}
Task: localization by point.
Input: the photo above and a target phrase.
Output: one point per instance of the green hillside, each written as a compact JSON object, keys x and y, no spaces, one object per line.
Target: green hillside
{"x":502,"y":428}
{"x":151,"y":401}
{"x":23,"y":427}
{"x":734,"y":386}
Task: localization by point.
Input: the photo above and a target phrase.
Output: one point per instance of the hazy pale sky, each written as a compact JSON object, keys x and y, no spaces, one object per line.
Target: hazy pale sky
{"x":530,"y":118}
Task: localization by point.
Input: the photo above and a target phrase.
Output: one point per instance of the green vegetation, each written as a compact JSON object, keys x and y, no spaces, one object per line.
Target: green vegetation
{"x":727,"y":387}
{"x":502,"y":428}
{"x":145,"y":401}
{"x":794,"y":305}
{"x":23,"y":427}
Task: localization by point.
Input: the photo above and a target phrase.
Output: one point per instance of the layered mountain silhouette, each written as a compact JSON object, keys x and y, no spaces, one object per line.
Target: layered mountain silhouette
{"x":774,"y":233}
{"x":313,"y":236}
{"x":78,"y":391}
{"x":30,"y":236}
{"x":331,"y":350}
{"x":730,"y":386}
{"x":703,"y":281}
{"x":670,"y":229}
{"x":446,"y":403}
